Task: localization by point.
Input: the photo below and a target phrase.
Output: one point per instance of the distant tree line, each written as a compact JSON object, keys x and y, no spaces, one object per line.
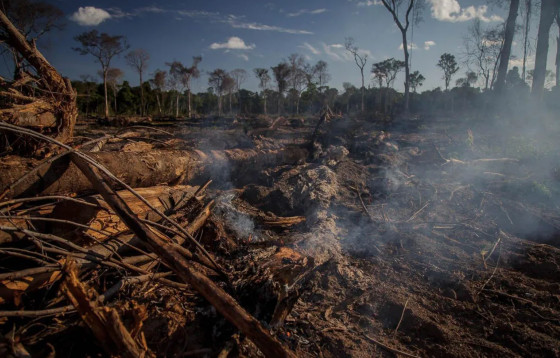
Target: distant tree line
{"x":478,"y":74}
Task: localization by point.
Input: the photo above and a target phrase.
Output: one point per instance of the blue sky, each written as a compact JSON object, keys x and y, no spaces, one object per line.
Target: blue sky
{"x":248,"y":34}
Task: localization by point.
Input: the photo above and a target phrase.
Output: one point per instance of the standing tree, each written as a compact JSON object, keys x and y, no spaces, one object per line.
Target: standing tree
{"x":114,"y":75}
{"x":104,"y":48}
{"x":239,"y":76}
{"x":89,"y":86}
{"x":416,"y":80}
{"x":176,"y":80}
{"x":387,"y":70}
{"x":321,"y":73}
{"x":190,"y":73}
{"x":482,"y":50}
{"x":264,"y":78}
{"x":281,"y":73}
{"x":449,"y":66}
{"x":549,"y":9}
{"x":159,"y":82}
{"x":506,"y":48}
{"x":360,"y":59}
{"x":216,"y":80}
{"x":526,"y":26}
{"x":228,"y":87}
{"x":467,"y":81}
{"x":297,"y":78}
{"x":394,"y":6}
{"x":138,"y":60}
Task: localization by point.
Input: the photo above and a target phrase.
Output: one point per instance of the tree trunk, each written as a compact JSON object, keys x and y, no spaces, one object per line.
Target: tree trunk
{"x":230,"y":107}
{"x":219,"y":105}
{"x":137,"y":169}
{"x":115,"y":94}
{"x":406,"y":72}
{"x":558,"y":52}
{"x":189,"y":111}
{"x":141,"y":95}
{"x":549,"y":8}
{"x":158,"y":103}
{"x":265,"y":105}
{"x":506,"y":48}
{"x":528,"y":9}
{"x":61,"y":177}
{"x":177,"y":105}
{"x":105,"y":93}
{"x":363,"y":89}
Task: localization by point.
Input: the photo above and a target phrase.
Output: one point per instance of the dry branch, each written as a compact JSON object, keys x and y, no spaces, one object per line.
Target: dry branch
{"x":224,"y":303}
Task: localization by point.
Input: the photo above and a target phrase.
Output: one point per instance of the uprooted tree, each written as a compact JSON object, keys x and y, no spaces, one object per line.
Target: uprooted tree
{"x":39,"y":98}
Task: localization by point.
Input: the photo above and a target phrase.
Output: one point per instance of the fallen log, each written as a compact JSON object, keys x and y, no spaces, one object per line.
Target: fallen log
{"x":139,"y":169}
{"x":62,"y":177}
{"x":222,"y":301}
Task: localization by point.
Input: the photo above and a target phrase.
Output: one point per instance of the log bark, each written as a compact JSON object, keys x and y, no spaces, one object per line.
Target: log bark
{"x":63,"y":177}
{"x":140,"y":170}
{"x":222,"y":301}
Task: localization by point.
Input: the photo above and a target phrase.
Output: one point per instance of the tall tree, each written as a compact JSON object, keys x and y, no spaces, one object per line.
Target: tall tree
{"x":469,"y":79}
{"x":449,"y":66}
{"x":190,"y":73}
{"x":228,"y":86}
{"x":114,"y":75}
{"x":297,"y":78}
{"x":482,"y":50}
{"x":264,"y":79}
{"x":159,"y":82}
{"x":281,"y":74}
{"x":89,"y":86}
{"x":239,"y":76}
{"x":394,"y":7}
{"x":527,"y":26}
{"x":558,"y":49}
{"x":416,"y":80}
{"x":387,"y":71}
{"x":138,"y":60}
{"x":104,"y":48}
{"x":177,"y":80}
{"x":360,"y":59}
{"x":506,"y":48}
{"x":321,"y":73}
{"x":549,"y":10}
{"x":216,"y":80}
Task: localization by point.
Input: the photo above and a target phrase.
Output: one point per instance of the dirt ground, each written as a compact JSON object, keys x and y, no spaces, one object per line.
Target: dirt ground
{"x":431,"y":238}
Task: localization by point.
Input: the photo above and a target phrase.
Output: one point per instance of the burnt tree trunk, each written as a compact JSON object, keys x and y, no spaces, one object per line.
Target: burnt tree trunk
{"x":549,"y":8}
{"x":506,"y":49}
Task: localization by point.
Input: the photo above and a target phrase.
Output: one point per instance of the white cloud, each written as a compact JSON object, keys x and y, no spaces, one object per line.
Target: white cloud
{"x":451,"y":11}
{"x":311,"y":49}
{"x":90,"y":16}
{"x":530,"y":62}
{"x":429,"y":44}
{"x":336,"y":52}
{"x":233,"y":43}
{"x":243,"y":56}
{"x":410,"y":45}
{"x":234,"y":21}
{"x":305,"y":11}
{"x":370,"y":3}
